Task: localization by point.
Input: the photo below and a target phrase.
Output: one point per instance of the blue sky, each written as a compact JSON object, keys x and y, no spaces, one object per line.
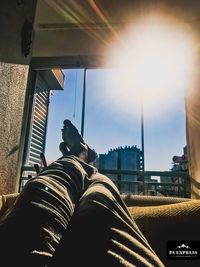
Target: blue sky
{"x":109,"y":126}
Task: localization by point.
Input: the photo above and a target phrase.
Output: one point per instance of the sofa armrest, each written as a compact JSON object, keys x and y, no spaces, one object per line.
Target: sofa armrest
{"x":7,"y":201}
{"x":146,"y":201}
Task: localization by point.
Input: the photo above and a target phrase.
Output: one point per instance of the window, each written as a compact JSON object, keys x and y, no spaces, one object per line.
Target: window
{"x":112,"y":127}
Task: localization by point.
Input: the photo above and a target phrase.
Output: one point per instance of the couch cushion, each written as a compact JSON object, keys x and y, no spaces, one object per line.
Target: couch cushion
{"x":179,"y":221}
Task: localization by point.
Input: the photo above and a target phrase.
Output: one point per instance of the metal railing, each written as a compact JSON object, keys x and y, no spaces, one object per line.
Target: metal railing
{"x":130,"y":182}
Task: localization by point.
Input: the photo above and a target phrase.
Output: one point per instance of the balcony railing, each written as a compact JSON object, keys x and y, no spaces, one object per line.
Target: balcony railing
{"x":131,"y":182}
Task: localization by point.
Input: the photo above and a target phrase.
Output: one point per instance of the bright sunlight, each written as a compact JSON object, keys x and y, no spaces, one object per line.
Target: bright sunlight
{"x":153,"y":61}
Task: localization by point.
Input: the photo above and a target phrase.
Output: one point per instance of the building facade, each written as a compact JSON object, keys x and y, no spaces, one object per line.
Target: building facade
{"x":177,"y":185}
{"x":123,"y":158}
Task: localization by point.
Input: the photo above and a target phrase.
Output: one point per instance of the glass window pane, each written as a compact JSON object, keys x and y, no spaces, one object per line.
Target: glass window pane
{"x":66,"y":104}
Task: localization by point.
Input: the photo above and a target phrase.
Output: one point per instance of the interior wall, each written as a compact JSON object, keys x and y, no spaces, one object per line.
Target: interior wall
{"x":13,"y":84}
{"x":14,"y":67}
{"x":193,"y":140}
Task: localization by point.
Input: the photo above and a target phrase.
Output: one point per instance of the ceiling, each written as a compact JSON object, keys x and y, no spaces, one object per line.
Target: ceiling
{"x":81,"y":31}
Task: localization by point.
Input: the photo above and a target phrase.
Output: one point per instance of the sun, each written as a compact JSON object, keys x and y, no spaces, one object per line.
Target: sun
{"x":152,"y":63}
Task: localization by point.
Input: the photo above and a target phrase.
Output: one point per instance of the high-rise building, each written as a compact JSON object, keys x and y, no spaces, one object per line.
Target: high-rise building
{"x":122,"y":158}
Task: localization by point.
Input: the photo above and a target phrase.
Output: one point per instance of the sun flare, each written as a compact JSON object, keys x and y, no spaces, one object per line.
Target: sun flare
{"x":152,"y":63}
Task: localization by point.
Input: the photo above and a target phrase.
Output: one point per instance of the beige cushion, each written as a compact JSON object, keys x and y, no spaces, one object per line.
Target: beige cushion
{"x":178,"y":221}
{"x":7,"y":201}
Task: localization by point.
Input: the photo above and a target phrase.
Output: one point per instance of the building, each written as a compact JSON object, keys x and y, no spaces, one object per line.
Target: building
{"x":46,"y":82}
{"x":177,"y":185}
{"x":180,"y":163}
{"x":127,"y":158}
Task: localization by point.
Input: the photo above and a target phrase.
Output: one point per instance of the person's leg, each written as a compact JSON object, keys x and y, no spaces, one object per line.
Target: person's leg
{"x":31,"y":230}
{"x":102,"y":232}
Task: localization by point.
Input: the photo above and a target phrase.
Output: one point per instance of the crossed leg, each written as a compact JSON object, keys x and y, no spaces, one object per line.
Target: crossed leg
{"x":102,"y":232}
{"x":68,"y":215}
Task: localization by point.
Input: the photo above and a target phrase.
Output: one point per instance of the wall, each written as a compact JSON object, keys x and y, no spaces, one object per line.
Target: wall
{"x":12,"y":83}
{"x":14,"y":67}
{"x":13,"y":15}
{"x":193,"y":140}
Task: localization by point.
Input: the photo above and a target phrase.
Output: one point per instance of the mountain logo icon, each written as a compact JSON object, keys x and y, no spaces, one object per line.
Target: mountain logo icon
{"x":183,"y":246}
